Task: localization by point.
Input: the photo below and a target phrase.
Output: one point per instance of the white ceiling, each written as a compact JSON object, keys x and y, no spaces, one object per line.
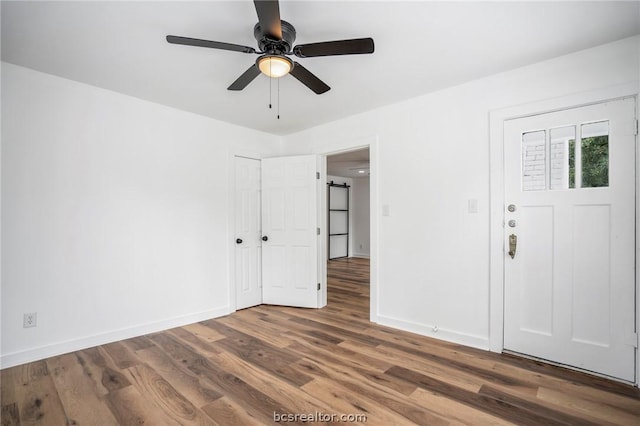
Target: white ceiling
{"x":353,"y":164}
{"x":420,"y":47}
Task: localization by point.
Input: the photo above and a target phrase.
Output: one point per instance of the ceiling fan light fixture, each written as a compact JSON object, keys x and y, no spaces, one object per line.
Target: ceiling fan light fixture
{"x":274,"y":66}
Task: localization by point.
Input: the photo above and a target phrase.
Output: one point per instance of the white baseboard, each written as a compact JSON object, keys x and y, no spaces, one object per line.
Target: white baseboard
{"x":365,"y":255}
{"x":54,"y":349}
{"x":452,"y":336}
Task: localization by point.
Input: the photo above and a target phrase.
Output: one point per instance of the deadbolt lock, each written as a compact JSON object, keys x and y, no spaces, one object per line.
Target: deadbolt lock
{"x":511,"y":208}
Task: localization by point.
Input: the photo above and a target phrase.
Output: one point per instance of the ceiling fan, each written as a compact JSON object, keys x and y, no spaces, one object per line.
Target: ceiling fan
{"x":275,"y":40}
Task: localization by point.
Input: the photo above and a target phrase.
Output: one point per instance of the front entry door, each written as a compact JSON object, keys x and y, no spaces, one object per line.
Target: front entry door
{"x":570,"y":237}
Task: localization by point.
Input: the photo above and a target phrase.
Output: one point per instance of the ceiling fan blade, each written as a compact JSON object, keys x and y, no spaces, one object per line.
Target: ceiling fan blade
{"x":269,"y":17}
{"x":247,"y":77}
{"x":207,"y":43}
{"x":356,"y":46}
{"x":308,"y":79}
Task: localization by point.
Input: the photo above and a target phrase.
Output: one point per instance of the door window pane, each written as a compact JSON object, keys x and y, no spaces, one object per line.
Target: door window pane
{"x":534,"y":161}
{"x":564,"y":163}
{"x":562,"y":153}
{"x":595,"y":154}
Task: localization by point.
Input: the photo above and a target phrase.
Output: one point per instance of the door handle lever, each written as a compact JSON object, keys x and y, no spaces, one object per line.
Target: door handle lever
{"x":513,"y":243}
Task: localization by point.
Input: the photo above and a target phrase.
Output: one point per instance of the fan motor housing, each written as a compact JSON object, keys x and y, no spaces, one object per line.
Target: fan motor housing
{"x":270,"y":45}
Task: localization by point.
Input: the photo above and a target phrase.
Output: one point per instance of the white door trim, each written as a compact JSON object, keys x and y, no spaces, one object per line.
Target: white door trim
{"x":497,"y":188}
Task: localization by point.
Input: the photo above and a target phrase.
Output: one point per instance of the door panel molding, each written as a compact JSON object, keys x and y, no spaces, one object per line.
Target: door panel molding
{"x":497,"y":194}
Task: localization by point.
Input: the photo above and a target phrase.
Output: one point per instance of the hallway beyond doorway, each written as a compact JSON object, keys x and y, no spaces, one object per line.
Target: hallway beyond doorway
{"x":348,"y":283}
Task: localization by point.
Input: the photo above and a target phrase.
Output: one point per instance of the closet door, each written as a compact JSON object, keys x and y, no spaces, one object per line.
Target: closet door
{"x":290,"y":231}
{"x":248,"y":248}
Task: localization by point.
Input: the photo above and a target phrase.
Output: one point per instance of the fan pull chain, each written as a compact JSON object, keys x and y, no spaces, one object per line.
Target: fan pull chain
{"x":271,"y":93}
{"x":270,"y":80}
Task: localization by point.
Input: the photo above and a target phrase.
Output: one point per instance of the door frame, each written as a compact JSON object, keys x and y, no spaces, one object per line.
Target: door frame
{"x":369,"y":141}
{"x":338,"y":147}
{"x":497,"y":197}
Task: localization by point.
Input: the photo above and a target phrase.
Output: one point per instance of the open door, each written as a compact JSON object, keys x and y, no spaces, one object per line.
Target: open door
{"x":290,"y":240}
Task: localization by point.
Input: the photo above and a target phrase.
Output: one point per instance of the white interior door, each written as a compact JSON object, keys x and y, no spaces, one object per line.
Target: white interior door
{"x":570,"y":286}
{"x":248,"y":251}
{"x":289,"y":229}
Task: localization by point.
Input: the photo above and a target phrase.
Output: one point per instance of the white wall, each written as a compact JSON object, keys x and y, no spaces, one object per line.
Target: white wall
{"x":431,"y":158}
{"x":115,"y":211}
{"x":361,"y":222}
{"x":114,"y":214}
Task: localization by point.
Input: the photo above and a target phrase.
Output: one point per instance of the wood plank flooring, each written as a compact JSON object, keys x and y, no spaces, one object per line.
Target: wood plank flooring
{"x":269,"y":363}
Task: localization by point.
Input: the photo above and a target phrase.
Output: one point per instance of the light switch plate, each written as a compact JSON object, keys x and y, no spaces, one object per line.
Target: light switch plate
{"x":473,"y":205}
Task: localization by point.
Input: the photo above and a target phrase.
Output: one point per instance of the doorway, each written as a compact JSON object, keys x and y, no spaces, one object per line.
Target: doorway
{"x":569,"y":237}
{"x":369,"y":143}
{"x":348,"y":224}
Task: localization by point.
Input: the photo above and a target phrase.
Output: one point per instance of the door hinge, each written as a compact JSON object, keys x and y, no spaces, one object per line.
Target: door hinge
{"x":318,"y":231}
{"x":318,"y":286}
{"x":636,"y":131}
{"x":632,"y":340}
{"x":318,"y":173}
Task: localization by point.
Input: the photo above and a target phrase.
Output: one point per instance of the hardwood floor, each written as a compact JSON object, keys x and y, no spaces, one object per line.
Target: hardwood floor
{"x":268,"y":361}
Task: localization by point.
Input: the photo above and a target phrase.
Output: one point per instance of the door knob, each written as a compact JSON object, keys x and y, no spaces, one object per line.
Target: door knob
{"x":238,"y":240}
{"x":265,"y":238}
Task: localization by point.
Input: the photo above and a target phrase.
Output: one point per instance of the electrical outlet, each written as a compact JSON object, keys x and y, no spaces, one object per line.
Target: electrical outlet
{"x":30,"y":320}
